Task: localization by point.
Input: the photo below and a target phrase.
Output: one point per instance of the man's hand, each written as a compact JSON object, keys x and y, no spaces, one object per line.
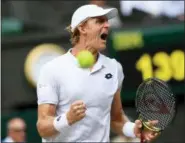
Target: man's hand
{"x":76,"y":112}
{"x":147,"y":135}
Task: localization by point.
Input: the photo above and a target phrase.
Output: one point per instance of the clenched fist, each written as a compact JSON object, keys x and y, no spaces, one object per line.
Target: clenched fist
{"x":76,"y":112}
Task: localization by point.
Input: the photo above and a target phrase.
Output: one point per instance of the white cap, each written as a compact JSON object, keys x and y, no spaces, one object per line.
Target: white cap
{"x":88,"y":11}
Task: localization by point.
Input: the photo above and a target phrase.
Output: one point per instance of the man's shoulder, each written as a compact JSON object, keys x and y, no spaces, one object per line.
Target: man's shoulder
{"x":7,"y":139}
{"x":54,"y":63}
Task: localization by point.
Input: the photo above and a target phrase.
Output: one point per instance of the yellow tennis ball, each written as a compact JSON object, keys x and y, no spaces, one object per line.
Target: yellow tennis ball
{"x":85,"y":59}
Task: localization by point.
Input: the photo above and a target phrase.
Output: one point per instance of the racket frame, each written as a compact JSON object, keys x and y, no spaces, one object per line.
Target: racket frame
{"x":144,"y":123}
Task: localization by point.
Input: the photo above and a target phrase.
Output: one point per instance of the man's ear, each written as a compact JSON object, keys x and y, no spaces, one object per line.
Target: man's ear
{"x":82,"y":28}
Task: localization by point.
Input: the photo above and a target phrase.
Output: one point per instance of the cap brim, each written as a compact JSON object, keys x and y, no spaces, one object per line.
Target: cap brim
{"x":111,"y":13}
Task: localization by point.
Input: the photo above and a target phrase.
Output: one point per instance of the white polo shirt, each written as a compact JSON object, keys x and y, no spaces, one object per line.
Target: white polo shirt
{"x":62,"y":82}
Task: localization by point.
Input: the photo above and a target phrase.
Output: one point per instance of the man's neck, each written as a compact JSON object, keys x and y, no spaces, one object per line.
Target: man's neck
{"x":77,"y":48}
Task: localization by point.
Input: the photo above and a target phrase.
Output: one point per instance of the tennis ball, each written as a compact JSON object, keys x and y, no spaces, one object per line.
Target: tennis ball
{"x":85,"y":59}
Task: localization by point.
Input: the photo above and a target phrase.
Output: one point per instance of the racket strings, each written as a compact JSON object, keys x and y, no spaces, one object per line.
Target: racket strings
{"x":155,"y":102}
{"x":149,"y":106}
{"x":165,"y":96}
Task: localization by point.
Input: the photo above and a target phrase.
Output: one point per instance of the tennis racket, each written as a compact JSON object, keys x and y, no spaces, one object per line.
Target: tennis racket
{"x":155,"y":101}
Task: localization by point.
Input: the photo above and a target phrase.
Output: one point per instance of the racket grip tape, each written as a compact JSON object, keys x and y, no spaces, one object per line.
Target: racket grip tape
{"x":142,"y":135}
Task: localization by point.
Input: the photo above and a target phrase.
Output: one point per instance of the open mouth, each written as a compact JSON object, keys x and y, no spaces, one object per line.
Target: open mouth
{"x":104,"y":36}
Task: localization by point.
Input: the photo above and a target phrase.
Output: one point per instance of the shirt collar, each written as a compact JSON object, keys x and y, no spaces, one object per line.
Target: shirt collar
{"x":99,"y":64}
{"x":72,"y":57}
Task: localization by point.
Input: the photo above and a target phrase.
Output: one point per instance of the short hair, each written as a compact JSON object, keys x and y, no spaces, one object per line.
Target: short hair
{"x":11,"y":122}
{"x":75,"y":34}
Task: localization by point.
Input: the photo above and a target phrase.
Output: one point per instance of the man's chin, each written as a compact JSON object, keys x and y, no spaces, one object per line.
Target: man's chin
{"x":102,"y":48}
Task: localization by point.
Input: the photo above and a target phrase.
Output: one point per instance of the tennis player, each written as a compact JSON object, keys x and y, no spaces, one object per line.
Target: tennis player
{"x":80,"y":105}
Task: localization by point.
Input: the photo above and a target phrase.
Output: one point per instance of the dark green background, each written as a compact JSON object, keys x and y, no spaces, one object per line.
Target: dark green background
{"x":166,"y":38}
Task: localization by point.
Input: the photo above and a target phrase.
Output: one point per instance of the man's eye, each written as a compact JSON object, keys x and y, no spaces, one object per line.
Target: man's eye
{"x":97,"y":21}
{"x":100,"y":21}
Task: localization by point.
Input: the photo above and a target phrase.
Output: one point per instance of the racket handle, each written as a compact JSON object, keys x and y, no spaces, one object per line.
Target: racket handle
{"x":142,"y":137}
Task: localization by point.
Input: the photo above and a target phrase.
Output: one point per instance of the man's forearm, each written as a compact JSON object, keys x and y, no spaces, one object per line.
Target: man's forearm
{"x":46,"y":128}
{"x":118,"y":126}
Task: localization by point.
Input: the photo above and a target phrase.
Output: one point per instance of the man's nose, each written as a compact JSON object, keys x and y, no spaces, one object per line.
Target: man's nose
{"x":106,"y":24}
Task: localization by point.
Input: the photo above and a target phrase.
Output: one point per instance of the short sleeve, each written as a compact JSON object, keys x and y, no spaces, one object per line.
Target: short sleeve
{"x":46,"y":87}
{"x":120,"y":75}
